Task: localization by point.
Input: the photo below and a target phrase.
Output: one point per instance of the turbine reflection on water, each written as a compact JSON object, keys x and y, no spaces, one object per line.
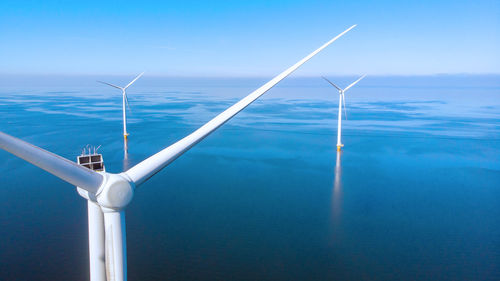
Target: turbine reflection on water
{"x":337,"y":197}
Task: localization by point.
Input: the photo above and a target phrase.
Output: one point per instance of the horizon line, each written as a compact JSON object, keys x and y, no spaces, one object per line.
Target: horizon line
{"x":244,"y":76}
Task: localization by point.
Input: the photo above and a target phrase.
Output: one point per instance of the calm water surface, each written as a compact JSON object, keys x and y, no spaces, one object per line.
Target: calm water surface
{"x":415,"y":195}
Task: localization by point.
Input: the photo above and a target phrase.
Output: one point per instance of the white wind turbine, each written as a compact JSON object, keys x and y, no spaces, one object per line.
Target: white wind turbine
{"x":124,"y":102}
{"x":108,"y":194}
{"x":342,"y":101}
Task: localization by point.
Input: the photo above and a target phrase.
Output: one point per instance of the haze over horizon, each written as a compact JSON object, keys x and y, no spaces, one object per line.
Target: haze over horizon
{"x":257,"y":38}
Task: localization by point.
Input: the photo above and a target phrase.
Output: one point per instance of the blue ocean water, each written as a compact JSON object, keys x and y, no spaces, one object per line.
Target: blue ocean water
{"x":415,"y":195}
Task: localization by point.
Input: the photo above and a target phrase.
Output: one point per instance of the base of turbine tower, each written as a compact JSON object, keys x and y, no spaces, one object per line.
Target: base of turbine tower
{"x":125,"y":136}
{"x":339,"y":147}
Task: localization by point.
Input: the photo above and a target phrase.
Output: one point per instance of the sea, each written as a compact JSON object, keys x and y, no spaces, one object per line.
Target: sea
{"x":413,"y":195}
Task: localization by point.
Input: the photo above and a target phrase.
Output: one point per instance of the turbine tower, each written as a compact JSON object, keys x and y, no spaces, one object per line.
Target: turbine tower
{"x":108,"y":194}
{"x":342,"y":101}
{"x":124,"y":102}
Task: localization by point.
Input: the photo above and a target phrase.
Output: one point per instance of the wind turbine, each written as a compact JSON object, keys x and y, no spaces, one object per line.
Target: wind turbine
{"x":342,"y":100}
{"x":108,"y":194}
{"x":124,"y":102}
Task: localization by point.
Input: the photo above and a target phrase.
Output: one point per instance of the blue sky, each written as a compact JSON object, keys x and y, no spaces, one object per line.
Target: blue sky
{"x":248,"y":38}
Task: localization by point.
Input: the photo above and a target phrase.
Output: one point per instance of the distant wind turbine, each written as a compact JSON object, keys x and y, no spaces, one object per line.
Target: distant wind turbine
{"x":342,"y":101}
{"x":108,"y":194}
{"x":124,"y":102}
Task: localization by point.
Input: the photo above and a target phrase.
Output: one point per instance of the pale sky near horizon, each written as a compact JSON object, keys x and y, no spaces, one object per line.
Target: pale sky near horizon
{"x":248,"y":38}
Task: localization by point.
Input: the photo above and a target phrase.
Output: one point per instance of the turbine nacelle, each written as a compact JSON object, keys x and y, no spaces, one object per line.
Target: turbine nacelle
{"x":116,"y":192}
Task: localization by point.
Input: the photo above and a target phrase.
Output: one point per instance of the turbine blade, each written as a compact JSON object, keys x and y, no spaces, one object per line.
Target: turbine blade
{"x":332,"y":83}
{"x":147,"y":168}
{"x":109,"y":84}
{"x":96,"y":241}
{"x":58,"y":166}
{"x":116,"y":247}
{"x":132,"y":82}
{"x":345,"y":110}
{"x":126,"y":102}
{"x":354,"y":83}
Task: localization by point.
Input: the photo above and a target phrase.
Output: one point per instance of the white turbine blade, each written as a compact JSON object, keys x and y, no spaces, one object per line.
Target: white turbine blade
{"x":345,"y":110}
{"x":132,"y":82}
{"x":354,"y":83}
{"x":58,"y":166}
{"x":147,"y":168}
{"x":116,"y":247}
{"x":96,"y":242}
{"x":109,"y":84}
{"x":126,"y":102}
{"x":332,"y":83}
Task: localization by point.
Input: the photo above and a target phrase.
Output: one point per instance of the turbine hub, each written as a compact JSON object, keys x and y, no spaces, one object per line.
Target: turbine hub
{"x":116,"y":192}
